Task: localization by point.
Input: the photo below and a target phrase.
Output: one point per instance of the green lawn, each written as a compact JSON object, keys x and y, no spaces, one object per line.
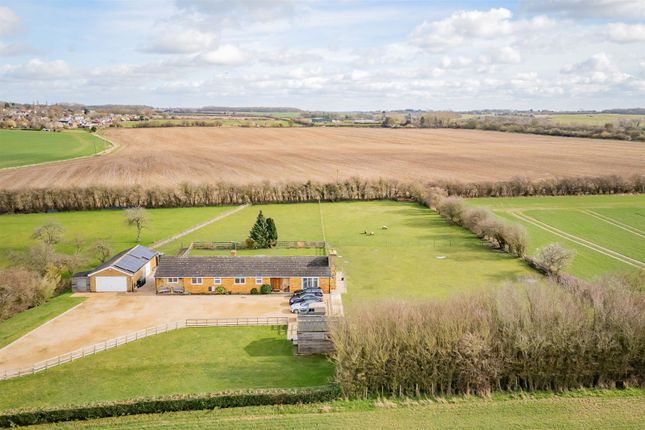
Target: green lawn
{"x":24,"y":322}
{"x":615,"y":410}
{"x":106,"y":225}
{"x":194,"y":360}
{"x":622,"y":229}
{"x":398,"y":262}
{"x":22,"y":147}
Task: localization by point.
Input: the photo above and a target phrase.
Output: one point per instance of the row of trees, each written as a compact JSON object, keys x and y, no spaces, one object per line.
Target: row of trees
{"x":520,"y":337}
{"x":222,"y":193}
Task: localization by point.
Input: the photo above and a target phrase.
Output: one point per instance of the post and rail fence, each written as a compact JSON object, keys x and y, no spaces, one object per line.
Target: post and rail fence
{"x":131,"y":337}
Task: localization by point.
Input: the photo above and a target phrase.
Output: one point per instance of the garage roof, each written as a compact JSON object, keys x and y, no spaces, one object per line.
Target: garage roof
{"x":277,"y":266}
{"x":129,"y":261}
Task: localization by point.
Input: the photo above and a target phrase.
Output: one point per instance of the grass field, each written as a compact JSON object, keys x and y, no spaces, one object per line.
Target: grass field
{"x":607,"y":232}
{"x":107,"y":225}
{"x":20,"y":147}
{"x":587,"y":410}
{"x":24,"y":322}
{"x":184,"y":361}
{"x":169,"y":156}
{"x":598,"y":120}
{"x":401,"y":261}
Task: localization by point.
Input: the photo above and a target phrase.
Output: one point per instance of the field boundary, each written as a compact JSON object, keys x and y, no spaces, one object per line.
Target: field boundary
{"x":198,"y":226}
{"x":140,"y":334}
{"x":615,"y":223}
{"x":42,"y":325}
{"x":580,"y":241}
{"x":113,"y":147}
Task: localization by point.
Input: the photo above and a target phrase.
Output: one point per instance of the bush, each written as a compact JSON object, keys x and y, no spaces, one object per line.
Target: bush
{"x":220,"y":290}
{"x":529,"y":336}
{"x":254,"y":291}
{"x":553,"y":258}
{"x":21,"y":289}
{"x":168,"y":404}
{"x":265,"y":289}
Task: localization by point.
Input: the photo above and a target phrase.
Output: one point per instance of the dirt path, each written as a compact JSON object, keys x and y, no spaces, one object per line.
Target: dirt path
{"x":580,"y":241}
{"x":106,"y":316}
{"x":629,"y":228}
{"x":197,"y":227}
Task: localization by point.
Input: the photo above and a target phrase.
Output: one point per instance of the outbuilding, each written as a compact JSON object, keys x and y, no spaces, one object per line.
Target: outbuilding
{"x":125,"y":272}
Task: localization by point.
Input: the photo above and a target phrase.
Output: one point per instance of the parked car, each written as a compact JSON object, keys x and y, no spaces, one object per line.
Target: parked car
{"x":306,"y":293}
{"x":311,"y":308}
{"x":306,"y":297}
{"x":316,"y":290}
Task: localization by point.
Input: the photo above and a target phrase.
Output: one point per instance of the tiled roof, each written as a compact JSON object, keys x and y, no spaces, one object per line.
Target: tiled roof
{"x":128,"y":261}
{"x":276,"y":266}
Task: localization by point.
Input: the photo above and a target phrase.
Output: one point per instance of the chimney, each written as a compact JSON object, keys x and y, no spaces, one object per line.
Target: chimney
{"x":233,"y":252}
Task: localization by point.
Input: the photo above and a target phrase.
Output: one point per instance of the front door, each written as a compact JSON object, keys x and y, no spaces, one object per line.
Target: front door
{"x":275,"y":284}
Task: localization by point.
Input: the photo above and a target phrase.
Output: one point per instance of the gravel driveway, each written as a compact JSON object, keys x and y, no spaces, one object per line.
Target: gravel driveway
{"x":105,"y":316}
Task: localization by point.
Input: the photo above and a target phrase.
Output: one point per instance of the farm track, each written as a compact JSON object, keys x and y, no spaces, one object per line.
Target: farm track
{"x":197,"y":227}
{"x":580,"y":241}
{"x":615,"y":223}
{"x":170,"y":156}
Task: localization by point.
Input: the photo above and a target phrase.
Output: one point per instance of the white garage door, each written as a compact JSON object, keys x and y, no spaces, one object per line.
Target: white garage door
{"x":111,"y":283}
{"x":147,"y":269}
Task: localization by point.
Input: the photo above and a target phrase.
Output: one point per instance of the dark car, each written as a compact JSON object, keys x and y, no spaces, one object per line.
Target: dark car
{"x":316,"y":291}
{"x":306,"y":298}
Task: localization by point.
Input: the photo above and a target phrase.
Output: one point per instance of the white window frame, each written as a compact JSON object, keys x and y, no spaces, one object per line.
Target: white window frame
{"x":172,"y":280}
{"x":211,"y":289}
{"x":240,"y":283}
{"x":195,"y":282}
{"x":308,"y":279}
{"x":258,"y":280}
{"x":217,"y":281}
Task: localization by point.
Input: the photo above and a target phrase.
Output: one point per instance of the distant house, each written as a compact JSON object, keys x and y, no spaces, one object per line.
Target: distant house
{"x":125,"y":272}
{"x":240,"y":274}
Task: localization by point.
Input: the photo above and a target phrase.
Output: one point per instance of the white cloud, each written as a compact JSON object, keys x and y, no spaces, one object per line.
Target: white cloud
{"x":458,"y":62}
{"x":225,"y":55}
{"x":626,"y":33}
{"x":473,"y":24}
{"x":36,"y":69}
{"x":177,"y":40}
{"x":8,"y":21}
{"x":502,"y":55}
{"x":604,"y":9}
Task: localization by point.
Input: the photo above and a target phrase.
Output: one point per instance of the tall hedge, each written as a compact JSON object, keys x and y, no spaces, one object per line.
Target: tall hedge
{"x":168,"y":404}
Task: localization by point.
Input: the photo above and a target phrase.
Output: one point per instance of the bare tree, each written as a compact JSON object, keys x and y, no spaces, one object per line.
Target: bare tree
{"x":102,"y":251}
{"x":553,"y":258}
{"x":49,"y":233}
{"x":137,"y":217}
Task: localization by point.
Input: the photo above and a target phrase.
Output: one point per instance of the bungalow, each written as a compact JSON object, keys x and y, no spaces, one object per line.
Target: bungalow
{"x":239,"y":275}
{"x":124,"y":272}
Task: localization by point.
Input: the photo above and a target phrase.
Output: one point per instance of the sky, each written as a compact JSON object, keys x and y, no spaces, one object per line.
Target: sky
{"x":326,"y":55}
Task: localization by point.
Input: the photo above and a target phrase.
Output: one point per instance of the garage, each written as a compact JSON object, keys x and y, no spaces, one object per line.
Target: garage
{"x":111,"y":283}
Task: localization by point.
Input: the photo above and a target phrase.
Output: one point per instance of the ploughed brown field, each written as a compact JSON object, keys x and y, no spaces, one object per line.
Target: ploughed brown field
{"x":169,"y":156}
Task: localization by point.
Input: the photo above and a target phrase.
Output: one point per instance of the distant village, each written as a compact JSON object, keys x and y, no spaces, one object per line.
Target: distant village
{"x":57,"y":117}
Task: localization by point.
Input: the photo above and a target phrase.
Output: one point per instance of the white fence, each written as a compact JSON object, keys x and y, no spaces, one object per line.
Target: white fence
{"x":122,"y":340}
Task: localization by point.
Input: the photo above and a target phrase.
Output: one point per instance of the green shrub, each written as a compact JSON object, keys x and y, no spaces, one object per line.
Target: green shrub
{"x":188,"y":402}
{"x":265,"y":289}
{"x":220,"y":290}
{"x":254,"y":290}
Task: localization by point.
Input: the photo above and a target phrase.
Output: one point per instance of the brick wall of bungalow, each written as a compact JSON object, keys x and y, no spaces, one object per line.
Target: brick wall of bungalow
{"x":295,"y":283}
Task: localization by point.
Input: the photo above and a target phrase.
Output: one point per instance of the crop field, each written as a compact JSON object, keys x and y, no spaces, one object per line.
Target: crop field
{"x":593,"y":410}
{"x":91,"y":226}
{"x":20,"y":147}
{"x":607,"y":232}
{"x":169,"y":156}
{"x":196,"y":360}
{"x":598,"y":120}
{"x":418,"y":255}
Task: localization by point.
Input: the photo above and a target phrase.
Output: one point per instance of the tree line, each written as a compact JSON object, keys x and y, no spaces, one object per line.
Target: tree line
{"x":222,"y":193}
{"x":522,"y":337}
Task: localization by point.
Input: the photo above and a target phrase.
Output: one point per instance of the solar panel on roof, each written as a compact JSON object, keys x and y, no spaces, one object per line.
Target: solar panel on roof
{"x":142,"y":252}
{"x":130,"y":263}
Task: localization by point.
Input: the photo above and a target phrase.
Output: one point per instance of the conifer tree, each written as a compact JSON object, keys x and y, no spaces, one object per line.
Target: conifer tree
{"x":260,"y":232}
{"x":273,"y":231}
